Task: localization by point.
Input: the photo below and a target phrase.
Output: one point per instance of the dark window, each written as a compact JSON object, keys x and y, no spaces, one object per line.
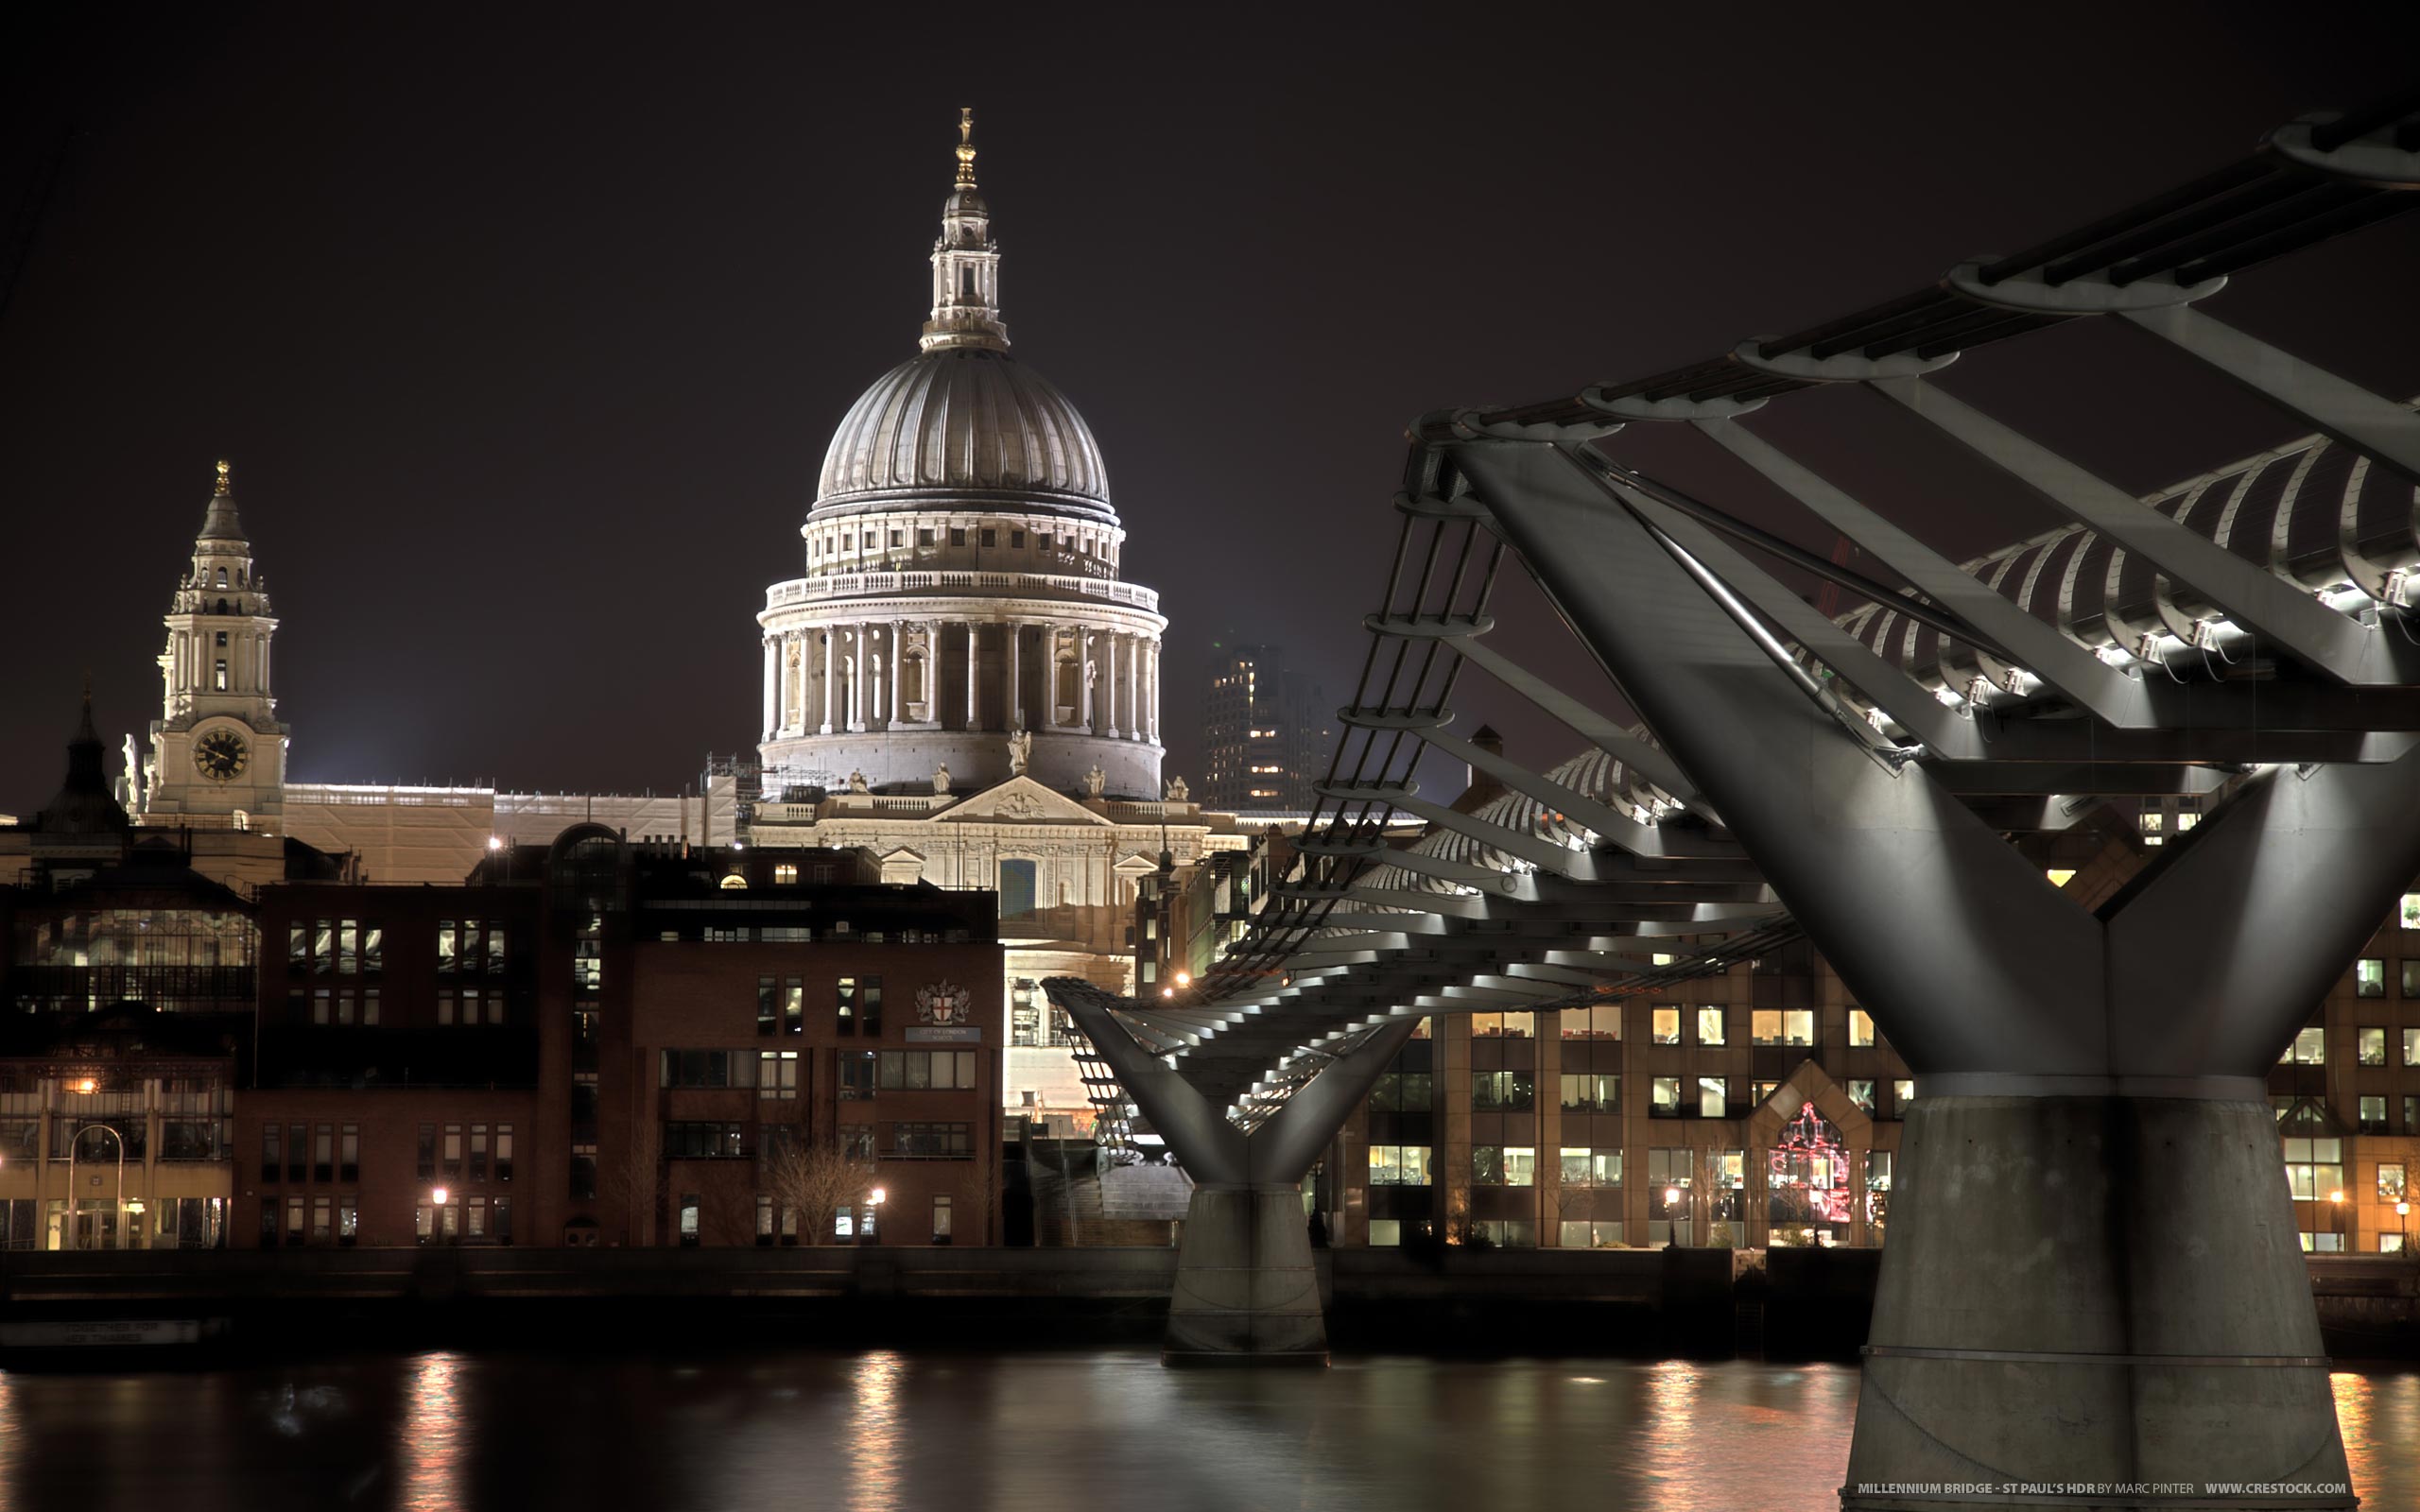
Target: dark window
{"x":871,"y":999}
{"x":503,"y":1154}
{"x":991,"y":537}
{"x":1017,"y":889}
{"x":856,"y":1075}
{"x":932,"y":1142}
{"x":478,"y":1152}
{"x":268,"y":1223}
{"x":349,"y":1154}
{"x":427,"y":1164}
{"x":323,"y":1153}
{"x":294,"y":1152}
{"x":705,"y":1142}
{"x":768,"y":1009}
{"x":272,"y":1158}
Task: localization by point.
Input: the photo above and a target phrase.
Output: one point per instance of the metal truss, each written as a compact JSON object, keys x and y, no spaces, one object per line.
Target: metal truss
{"x":2252,"y":618}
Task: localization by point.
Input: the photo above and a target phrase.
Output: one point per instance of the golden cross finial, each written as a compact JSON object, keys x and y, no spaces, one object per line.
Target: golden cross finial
{"x":222,"y":478}
{"x":966,"y":146}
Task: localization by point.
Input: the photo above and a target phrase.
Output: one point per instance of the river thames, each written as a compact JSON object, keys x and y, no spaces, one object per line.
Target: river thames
{"x":885,"y":1428}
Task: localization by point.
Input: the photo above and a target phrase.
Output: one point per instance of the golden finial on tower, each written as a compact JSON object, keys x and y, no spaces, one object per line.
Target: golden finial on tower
{"x":966,"y":146}
{"x":223,"y":487}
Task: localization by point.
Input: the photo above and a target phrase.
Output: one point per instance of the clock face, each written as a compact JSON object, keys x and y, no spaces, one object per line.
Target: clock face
{"x":222,"y":755}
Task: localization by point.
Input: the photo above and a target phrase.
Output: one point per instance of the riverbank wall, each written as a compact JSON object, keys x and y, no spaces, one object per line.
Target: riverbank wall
{"x":1810,"y":1304}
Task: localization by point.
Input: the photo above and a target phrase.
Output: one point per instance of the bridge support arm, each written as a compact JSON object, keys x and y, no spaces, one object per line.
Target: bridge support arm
{"x":1246,"y":1284}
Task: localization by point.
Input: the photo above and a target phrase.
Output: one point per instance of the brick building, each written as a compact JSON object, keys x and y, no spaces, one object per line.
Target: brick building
{"x":602,"y":1043}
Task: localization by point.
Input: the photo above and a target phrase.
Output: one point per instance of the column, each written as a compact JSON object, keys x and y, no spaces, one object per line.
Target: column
{"x":1016,"y":684}
{"x":772,"y":671}
{"x":1049,"y":675}
{"x":974,"y":676}
{"x":1134,"y":688}
{"x":1154,"y":691}
{"x":1087,"y":676}
{"x":861,"y":663}
{"x":1108,"y":685}
{"x":932,"y":674}
{"x":898,"y":664}
{"x":831,"y":665}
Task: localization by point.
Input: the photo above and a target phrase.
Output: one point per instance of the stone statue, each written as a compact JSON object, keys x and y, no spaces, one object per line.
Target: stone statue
{"x":1095,"y":781}
{"x":941,"y":781}
{"x":1020,"y":750}
{"x":132,"y":784}
{"x":858,"y":783}
{"x":1177,"y":790}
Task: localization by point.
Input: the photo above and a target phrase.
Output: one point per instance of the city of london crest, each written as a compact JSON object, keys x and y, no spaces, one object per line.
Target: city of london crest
{"x":943,"y":1003}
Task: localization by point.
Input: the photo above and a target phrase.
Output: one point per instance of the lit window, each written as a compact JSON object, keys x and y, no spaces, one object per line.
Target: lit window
{"x":2061,"y":876}
{"x":1713,"y":1096}
{"x":784,"y":873}
{"x":2389,"y":1181}
{"x":1668,"y":1097}
{"x":2370,"y":1045}
{"x":1710,"y":1027}
{"x":2369,"y":977}
{"x":2373,"y":1115}
{"x":2411,"y":1056}
{"x":1861,"y":1027}
{"x":1862,"y":1093}
{"x":1903,"y":1092}
{"x":1668,"y":1027}
{"x":2308,"y":1049}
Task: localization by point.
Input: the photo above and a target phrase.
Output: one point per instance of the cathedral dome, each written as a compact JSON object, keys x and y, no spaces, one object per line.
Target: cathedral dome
{"x":963,"y":423}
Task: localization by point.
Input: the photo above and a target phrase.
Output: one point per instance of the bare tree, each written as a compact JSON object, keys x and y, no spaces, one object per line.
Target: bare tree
{"x":815,"y":1178}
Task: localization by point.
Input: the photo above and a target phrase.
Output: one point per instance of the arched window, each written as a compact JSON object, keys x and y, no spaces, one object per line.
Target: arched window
{"x":222,"y":577}
{"x":735,"y":882}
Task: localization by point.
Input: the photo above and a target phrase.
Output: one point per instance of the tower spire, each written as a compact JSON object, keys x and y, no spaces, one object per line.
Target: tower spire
{"x":220,"y":522}
{"x":967,"y":262}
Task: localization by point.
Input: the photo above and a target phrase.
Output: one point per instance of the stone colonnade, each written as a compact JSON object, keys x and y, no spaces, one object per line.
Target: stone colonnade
{"x":874,"y":674}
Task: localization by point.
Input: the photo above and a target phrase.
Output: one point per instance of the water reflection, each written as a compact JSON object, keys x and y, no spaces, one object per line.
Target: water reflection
{"x":430,"y":1446}
{"x":2379,"y":1414}
{"x":898,"y":1431}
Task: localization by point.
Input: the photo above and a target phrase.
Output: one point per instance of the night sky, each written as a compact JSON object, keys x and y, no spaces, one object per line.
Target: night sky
{"x":525,"y":331}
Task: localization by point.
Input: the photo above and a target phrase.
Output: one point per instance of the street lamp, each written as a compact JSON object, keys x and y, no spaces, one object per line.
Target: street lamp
{"x":2403,"y":1227}
{"x":86,"y":1086}
{"x":1672,"y":1201}
{"x":2335,"y":1212}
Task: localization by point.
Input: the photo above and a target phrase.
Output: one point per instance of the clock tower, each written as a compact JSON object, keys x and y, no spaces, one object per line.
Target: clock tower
{"x":217,"y":748}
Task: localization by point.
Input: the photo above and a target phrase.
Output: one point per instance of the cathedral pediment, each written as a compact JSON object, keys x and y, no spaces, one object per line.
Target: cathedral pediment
{"x":1021,"y":800}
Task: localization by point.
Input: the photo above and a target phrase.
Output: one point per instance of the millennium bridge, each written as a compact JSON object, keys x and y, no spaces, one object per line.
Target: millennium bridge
{"x":2093,"y":1272}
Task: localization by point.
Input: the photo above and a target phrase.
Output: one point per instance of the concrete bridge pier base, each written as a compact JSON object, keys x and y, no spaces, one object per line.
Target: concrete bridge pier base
{"x":1246,"y":1290}
{"x":2084,"y":1291}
